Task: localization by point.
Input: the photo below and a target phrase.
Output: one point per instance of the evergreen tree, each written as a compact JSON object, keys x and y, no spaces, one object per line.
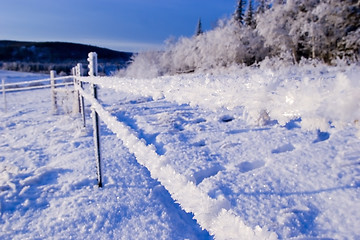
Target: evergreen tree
{"x":261,"y":7}
{"x":249,"y":20}
{"x":239,"y":12}
{"x":199,"y":30}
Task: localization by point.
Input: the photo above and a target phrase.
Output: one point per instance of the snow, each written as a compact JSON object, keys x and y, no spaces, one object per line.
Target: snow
{"x":48,"y":182}
{"x":252,"y":153}
{"x":13,"y":77}
{"x":318,"y":95}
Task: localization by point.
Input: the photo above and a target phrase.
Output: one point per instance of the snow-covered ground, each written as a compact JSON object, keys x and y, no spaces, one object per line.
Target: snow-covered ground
{"x":48,"y":181}
{"x":13,"y":77}
{"x":284,"y":178}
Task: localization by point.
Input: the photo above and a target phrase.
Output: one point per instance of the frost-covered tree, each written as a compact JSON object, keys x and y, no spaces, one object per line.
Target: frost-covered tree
{"x":199,"y":28}
{"x":274,"y":25}
{"x":288,"y":30}
{"x":311,"y":28}
{"x":328,"y":25}
{"x":349,"y":46}
{"x":340,"y":28}
{"x":239,"y":12}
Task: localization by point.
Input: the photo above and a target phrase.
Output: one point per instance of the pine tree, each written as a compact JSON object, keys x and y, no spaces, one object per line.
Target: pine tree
{"x":239,"y":12}
{"x":261,"y":7}
{"x":199,"y":30}
{"x":249,"y":20}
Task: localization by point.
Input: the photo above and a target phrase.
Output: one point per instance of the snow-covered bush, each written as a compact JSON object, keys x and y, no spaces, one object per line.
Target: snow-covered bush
{"x":145,"y":64}
{"x":228,"y":44}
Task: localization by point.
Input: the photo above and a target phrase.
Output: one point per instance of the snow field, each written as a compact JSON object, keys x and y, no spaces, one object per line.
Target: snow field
{"x":238,"y":178}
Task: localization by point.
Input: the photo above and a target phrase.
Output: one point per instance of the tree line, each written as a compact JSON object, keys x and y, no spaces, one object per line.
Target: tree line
{"x":316,"y":29}
{"x":291,"y":30}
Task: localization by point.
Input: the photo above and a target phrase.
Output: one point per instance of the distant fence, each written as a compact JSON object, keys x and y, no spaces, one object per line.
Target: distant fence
{"x":37,"y":84}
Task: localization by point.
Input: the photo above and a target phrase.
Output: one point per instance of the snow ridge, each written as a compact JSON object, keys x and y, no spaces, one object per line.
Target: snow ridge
{"x":212,"y":214}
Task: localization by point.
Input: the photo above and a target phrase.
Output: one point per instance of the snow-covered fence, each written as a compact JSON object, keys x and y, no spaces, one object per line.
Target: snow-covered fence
{"x":93,"y":71}
{"x":3,"y":93}
{"x":79,"y":97}
{"x":37,"y":84}
{"x":264,"y":95}
{"x":77,"y":71}
{"x":215,"y":218}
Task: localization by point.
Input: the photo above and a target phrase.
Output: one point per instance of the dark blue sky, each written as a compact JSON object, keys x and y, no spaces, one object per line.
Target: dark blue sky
{"x":129,"y":25}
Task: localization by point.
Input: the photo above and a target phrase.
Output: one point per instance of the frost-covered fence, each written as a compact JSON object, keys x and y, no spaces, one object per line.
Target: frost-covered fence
{"x":93,"y":71}
{"x":3,"y":93}
{"x":324,"y":101}
{"x":37,"y":84}
{"x":216,"y":216}
{"x":80,"y":94}
{"x":77,"y":71}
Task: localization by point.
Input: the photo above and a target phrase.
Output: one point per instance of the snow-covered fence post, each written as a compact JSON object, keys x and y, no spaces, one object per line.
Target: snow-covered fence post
{"x":92,"y":59}
{"x":76,"y":102}
{"x":53,"y":93}
{"x":78,"y":69}
{"x":3,"y":93}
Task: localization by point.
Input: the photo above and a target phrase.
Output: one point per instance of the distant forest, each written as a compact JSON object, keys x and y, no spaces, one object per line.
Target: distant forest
{"x":59,"y":56}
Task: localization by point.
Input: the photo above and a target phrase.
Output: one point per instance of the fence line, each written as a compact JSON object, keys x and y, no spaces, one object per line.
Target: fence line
{"x":77,"y":83}
{"x":35,"y":87}
{"x":93,"y":71}
{"x":15,"y":87}
{"x":38,"y":81}
{"x":178,"y":185}
{"x":3,"y":93}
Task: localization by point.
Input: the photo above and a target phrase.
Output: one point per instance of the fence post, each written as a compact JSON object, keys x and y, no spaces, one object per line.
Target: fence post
{"x":76,"y":102}
{"x":53,"y":93}
{"x":92,"y":59}
{"x":78,"y":69}
{"x":3,"y":93}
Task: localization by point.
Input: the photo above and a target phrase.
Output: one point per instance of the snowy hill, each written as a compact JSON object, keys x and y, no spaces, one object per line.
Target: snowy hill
{"x":54,"y":52}
{"x":286,"y":176}
{"x":59,"y":56}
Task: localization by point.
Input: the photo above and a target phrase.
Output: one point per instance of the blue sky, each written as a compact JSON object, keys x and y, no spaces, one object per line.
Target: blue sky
{"x":129,"y":25}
